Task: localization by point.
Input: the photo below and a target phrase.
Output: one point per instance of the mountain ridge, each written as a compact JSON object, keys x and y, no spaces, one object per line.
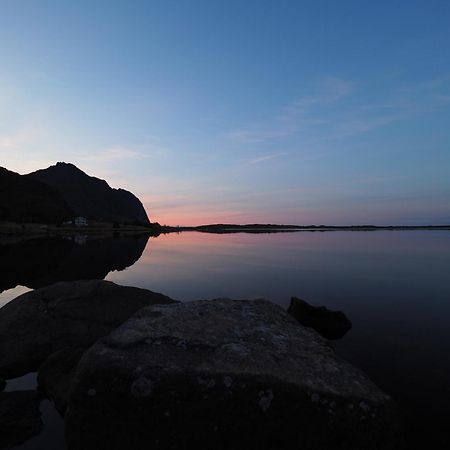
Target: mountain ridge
{"x":92,"y":197}
{"x":23,"y":199}
{"x":63,"y":191}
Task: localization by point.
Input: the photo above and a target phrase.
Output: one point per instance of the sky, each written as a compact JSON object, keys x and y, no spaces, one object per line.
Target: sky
{"x":237,"y":111}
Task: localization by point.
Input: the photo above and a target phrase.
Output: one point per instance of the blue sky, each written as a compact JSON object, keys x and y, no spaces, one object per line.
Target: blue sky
{"x":331,"y":112}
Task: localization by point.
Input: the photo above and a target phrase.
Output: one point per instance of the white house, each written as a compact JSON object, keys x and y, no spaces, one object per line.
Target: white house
{"x":80,"y":221}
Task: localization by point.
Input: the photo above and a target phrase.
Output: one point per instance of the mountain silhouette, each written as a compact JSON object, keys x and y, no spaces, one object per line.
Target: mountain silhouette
{"x":91,"y":197}
{"x":62,"y":192}
{"x":24,"y":199}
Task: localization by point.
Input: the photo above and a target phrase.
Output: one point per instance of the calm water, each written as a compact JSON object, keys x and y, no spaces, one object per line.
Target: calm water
{"x":393,"y":285}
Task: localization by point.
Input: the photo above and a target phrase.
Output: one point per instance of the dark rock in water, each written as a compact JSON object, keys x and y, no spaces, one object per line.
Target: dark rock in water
{"x":20,"y":418}
{"x":56,"y":373}
{"x":2,"y":384}
{"x":330,"y":324}
{"x":223,"y":374}
{"x":69,"y":314}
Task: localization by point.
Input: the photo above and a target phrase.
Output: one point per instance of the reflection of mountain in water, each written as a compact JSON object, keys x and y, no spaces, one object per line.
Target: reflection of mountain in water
{"x":39,"y":262}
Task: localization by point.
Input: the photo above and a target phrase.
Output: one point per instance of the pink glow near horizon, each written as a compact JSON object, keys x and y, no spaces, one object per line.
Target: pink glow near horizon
{"x":195,"y":213}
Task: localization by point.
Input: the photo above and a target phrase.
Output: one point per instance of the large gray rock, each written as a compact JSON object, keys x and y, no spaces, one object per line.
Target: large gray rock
{"x":69,"y":314}
{"x":223,"y":374}
{"x":20,"y":418}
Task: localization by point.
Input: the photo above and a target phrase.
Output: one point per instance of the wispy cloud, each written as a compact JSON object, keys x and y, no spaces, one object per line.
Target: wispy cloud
{"x":9,"y":142}
{"x":48,"y":78}
{"x":328,"y":91}
{"x":255,"y":136}
{"x":401,"y":104}
{"x":114,"y":154}
{"x":265,"y":158}
{"x":296,"y":115}
{"x":16,"y":140}
{"x":324,"y":115}
{"x":21,"y":151}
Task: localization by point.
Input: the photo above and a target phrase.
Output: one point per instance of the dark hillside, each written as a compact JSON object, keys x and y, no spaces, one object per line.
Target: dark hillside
{"x":23,"y":199}
{"x":92,"y":197}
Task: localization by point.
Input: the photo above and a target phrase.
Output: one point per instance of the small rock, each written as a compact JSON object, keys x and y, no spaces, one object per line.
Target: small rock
{"x":227,"y":381}
{"x":330,"y":324}
{"x":266,"y":399}
{"x":142,"y":387}
{"x":92,"y":392}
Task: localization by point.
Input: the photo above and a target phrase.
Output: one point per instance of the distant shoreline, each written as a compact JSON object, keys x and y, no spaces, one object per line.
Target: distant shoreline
{"x":110,"y":230}
{"x":272,"y":228}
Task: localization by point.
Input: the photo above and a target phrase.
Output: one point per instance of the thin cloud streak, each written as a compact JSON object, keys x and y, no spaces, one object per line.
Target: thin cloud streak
{"x":314,"y":118}
{"x":294,"y":115}
{"x":267,"y":157}
{"x":17,"y":140}
{"x":114,"y":154}
{"x":330,"y":90}
{"x":257,"y":136}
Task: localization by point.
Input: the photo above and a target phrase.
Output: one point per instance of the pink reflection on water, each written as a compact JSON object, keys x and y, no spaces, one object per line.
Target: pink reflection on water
{"x":194,"y":265}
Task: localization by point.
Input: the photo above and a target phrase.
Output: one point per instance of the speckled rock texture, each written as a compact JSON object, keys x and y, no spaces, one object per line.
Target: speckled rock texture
{"x":223,"y":374}
{"x":69,"y":314}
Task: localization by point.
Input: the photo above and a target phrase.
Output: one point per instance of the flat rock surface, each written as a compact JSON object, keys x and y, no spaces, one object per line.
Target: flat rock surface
{"x":68,"y":314}
{"x":223,"y":374}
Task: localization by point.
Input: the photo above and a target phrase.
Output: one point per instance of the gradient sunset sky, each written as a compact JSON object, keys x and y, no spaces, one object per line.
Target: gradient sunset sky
{"x":237,"y":111}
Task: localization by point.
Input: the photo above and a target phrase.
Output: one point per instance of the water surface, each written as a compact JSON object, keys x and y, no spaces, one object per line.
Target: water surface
{"x":393,"y":285}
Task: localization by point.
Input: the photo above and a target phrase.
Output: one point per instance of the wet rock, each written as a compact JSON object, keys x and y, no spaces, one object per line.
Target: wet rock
{"x":56,"y":373}
{"x":223,"y":374}
{"x":330,"y":324}
{"x":68,"y":314}
{"x":20,"y":418}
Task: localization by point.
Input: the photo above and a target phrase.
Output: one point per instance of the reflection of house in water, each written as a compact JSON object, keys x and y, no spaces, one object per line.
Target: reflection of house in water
{"x":80,"y":239}
{"x":80,"y":221}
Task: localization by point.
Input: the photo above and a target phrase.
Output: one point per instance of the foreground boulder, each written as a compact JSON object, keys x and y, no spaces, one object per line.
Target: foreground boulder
{"x":69,"y":314}
{"x":20,"y":418}
{"x":223,"y":374}
{"x":330,"y":324}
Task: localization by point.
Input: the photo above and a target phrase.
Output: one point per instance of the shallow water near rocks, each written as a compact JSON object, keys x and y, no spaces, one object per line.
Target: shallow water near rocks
{"x":393,"y":285}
